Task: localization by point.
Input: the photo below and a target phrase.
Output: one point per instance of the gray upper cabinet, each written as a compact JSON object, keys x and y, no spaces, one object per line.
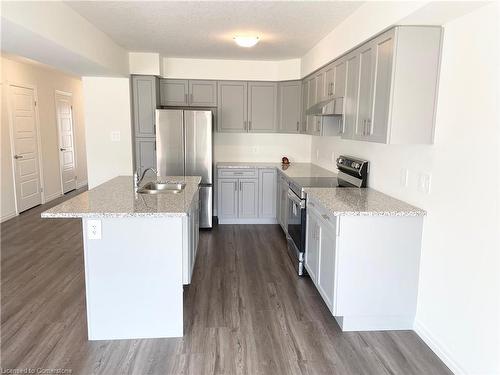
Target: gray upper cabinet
{"x":365,"y":95}
{"x":329,"y":80}
{"x":289,"y":104}
{"x":311,"y":121}
{"x":304,"y":106}
{"x":262,"y":106}
{"x":202,"y":93}
{"x":232,"y":108}
{"x":174,"y":92}
{"x":351,"y":95}
{"x":339,"y":78}
{"x":321,"y":86}
{"x":145,"y":101}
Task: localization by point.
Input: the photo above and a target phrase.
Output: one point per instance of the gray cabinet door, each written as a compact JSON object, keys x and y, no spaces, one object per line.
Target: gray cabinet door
{"x":327,"y":260}
{"x":384,"y":50}
{"x":312,"y":245}
{"x":289,"y":94}
{"x":202,"y":93}
{"x":305,"y":104}
{"x":227,"y":198}
{"x":145,"y":100}
{"x":321,"y":86}
{"x":267,"y":193}
{"x":248,"y":198}
{"x":366,"y":86}
{"x":174,"y":92}
{"x":232,"y":106}
{"x":339,"y":79}
{"x":311,"y":125}
{"x":262,"y":106}
{"x":351,"y":95}
{"x":145,"y":154}
{"x":329,"y":80}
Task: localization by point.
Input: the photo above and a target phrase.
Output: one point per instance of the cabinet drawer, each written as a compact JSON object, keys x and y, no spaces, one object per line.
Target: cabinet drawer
{"x":237,"y":173}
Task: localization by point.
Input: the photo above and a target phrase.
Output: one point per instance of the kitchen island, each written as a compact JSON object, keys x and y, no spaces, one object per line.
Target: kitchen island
{"x":139,"y":250}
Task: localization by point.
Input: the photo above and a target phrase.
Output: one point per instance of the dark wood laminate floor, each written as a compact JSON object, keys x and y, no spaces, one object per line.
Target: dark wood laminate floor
{"x":246,"y":313}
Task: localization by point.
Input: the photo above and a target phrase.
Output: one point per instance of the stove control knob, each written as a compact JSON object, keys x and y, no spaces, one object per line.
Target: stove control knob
{"x":340,"y":160}
{"x":353,"y":164}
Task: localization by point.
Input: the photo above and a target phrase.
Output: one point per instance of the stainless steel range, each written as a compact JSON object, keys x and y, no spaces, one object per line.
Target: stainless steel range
{"x":352,"y":172}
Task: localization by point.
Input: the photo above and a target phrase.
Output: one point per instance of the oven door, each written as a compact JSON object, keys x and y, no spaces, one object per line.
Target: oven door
{"x":296,"y":221}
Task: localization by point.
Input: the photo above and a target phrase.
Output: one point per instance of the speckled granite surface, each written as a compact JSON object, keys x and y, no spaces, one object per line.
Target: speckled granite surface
{"x":116,"y":198}
{"x":292,"y":170}
{"x":360,"y":202}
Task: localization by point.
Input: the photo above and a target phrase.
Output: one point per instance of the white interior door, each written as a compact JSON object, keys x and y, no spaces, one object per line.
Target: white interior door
{"x":25,"y":148}
{"x":64,"y":111}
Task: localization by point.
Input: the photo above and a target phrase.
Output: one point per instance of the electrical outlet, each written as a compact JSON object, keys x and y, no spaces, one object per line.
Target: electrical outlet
{"x":404,"y":177}
{"x":94,"y":229}
{"x":255,"y":149}
{"x":424,"y":183}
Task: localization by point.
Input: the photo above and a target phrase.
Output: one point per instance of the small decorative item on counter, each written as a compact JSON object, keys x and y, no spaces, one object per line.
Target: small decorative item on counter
{"x":285,"y":161}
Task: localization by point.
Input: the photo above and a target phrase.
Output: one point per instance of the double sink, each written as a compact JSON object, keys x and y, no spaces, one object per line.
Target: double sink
{"x":159,"y":187}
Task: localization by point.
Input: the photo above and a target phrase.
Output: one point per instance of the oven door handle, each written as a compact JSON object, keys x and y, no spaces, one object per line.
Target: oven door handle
{"x":296,"y":200}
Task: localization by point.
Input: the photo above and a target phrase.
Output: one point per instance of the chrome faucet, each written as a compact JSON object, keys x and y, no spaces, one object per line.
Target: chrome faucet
{"x":137,"y":180}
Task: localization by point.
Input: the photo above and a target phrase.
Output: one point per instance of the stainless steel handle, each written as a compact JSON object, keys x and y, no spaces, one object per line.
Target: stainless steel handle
{"x":297,"y":125}
{"x":62,"y":149}
{"x":191,"y":99}
{"x":238,"y":173}
{"x":186,"y":98}
{"x":249,"y":125}
{"x":295,"y":199}
{"x":368,"y":127}
{"x":364,"y":127}
{"x":241,"y":186}
{"x":18,"y":156}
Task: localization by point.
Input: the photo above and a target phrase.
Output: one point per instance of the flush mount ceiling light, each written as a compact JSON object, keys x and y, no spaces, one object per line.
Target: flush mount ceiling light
{"x":246,"y":41}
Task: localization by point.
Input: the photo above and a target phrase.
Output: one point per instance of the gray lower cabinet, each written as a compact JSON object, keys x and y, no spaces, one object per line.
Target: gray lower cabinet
{"x":267,"y":193}
{"x":283,"y":198}
{"x":232,"y":106}
{"x":248,"y":198}
{"x":174,"y":92}
{"x":145,"y":98}
{"x":202,"y":93}
{"x":262,"y":106}
{"x":145,"y":154}
{"x":227,"y":198}
{"x":246,"y":195}
{"x":289,"y":106}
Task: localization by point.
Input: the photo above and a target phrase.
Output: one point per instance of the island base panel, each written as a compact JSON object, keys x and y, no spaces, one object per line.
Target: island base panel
{"x":133,"y":278}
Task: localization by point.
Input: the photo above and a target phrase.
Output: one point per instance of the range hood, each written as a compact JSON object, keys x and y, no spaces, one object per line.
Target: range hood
{"x":328,"y":107}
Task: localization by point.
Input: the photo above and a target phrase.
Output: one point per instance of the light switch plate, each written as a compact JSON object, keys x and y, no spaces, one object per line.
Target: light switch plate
{"x":404,"y":177}
{"x":424,"y":183}
{"x":115,"y":136}
{"x":94,"y":229}
{"x":255,"y":149}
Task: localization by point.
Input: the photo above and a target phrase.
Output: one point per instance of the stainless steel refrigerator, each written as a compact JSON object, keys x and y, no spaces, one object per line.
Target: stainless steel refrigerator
{"x":184,"y":148}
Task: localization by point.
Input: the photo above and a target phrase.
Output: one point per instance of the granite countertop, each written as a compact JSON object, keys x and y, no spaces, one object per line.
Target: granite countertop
{"x":116,"y":198}
{"x":361,"y":202}
{"x":292,"y":170}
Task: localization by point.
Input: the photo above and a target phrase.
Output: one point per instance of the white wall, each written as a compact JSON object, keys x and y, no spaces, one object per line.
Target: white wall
{"x":261,"y":147}
{"x":54,"y":34}
{"x":46,"y":81}
{"x":458,"y":306}
{"x":144,"y":63}
{"x":257,"y":70}
{"x":107,"y":110}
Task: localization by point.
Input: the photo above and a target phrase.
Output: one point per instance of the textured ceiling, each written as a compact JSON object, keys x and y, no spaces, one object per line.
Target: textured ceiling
{"x":204,"y":29}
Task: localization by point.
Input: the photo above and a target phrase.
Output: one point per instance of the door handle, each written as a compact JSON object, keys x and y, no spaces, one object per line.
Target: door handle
{"x":62,"y":149}
{"x":18,"y":156}
{"x":297,"y":126}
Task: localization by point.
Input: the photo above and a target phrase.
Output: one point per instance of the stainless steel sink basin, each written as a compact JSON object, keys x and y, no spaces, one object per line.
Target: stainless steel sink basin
{"x":157,"y":187}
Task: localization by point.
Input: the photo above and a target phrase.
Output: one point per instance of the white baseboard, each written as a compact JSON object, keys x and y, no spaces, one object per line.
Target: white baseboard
{"x":374,"y":323}
{"x":249,"y":221}
{"x":80,"y":184}
{"x":438,"y":348}
{"x":8,"y":217}
{"x":51,"y":197}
